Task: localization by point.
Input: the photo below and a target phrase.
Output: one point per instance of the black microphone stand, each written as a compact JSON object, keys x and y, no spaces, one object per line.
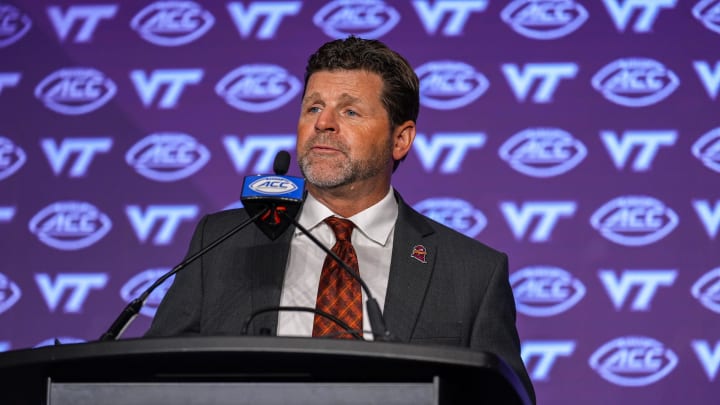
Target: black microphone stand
{"x":377,"y":323}
{"x":134,"y":307}
{"x":354,"y":333}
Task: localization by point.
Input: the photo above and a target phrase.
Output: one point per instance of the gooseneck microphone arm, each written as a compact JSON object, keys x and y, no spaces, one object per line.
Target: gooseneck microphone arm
{"x":355,"y":333}
{"x":377,"y":323}
{"x":134,"y":307}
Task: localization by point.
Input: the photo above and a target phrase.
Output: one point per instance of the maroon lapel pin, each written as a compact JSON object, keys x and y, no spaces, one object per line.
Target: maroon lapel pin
{"x":419,"y":253}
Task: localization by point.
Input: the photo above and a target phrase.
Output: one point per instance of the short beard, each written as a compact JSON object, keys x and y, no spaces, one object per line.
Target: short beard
{"x":346,"y":171}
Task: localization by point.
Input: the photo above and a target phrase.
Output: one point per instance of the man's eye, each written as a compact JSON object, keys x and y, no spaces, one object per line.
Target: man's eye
{"x":314,"y":109}
{"x":351,"y":113}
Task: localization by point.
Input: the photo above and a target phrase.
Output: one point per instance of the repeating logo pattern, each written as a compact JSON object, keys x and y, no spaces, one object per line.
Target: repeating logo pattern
{"x":543,"y":152}
{"x":574,"y":135}
{"x":544,"y":19}
{"x":70,"y":225}
{"x":633,"y":361}
{"x":447,"y":85}
{"x":172,"y":23}
{"x":545,"y":290}
{"x":634,"y":220}
{"x":75,"y":91}
{"x":635,"y":82}
{"x":167,"y":156}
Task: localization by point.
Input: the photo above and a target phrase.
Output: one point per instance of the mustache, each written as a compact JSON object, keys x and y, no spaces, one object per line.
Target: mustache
{"x":326,"y":140}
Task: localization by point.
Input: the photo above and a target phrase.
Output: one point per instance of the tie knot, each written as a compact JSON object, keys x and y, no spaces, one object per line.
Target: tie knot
{"x":342,"y":227}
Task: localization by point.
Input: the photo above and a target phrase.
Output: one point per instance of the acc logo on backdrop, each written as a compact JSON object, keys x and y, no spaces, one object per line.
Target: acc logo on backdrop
{"x":707,"y":149}
{"x":172,"y":23}
{"x":707,"y":290}
{"x":9,"y":293}
{"x":543,"y":152}
{"x":708,"y":13}
{"x":75,"y":91}
{"x":258,"y":88}
{"x":15,"y":24}
{"x":12,"y":157}
{"x":633,"y":361}
{"x":167,"y":156}
{"x":545,"y":290}
{"x":363,"y":18}
{"x":544,"y":19}
{"x":446,"y":85}
{"x":635,"y":82}
{"x":140,"y":282}
{"x":634,"y":220}
{"x":70,"y":225}
{"x":455,"y":213}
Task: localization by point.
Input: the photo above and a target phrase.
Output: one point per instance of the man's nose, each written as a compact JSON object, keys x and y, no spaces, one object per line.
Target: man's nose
{"x":326,"y":121}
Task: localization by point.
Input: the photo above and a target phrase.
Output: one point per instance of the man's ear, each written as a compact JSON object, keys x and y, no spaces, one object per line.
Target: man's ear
{"x":403,"y":137}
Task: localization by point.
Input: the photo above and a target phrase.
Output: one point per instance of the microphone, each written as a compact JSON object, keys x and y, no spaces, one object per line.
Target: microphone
{"x":133,"y":308}
{"x":272,"y":195}
{"x":278,"y":198}
{"x":377,"y":322}
{"x":264,"y":197}
{"x":281,"y":163}
{"x":355,"y":333}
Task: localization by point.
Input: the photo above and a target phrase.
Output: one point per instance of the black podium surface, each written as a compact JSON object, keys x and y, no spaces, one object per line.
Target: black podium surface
{"x":265,"y":370}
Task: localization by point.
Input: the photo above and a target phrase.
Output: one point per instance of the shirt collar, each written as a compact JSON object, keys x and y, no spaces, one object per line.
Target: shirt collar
{"x":375,"y":222}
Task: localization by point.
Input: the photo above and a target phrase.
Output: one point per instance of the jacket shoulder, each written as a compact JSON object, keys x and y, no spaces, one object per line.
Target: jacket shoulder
{"x":444,"y":234}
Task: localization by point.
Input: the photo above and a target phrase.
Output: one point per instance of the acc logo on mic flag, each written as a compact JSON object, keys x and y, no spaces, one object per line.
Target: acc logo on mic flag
{"x":272,"y":185}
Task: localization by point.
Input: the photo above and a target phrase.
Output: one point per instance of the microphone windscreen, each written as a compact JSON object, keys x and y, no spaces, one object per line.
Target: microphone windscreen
{"x":282,"y":162}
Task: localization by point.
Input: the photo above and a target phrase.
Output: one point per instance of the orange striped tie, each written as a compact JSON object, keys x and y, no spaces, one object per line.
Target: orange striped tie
{"x":339,"y":294}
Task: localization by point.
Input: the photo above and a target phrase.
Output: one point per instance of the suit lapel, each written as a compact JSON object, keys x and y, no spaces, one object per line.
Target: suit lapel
{"x":267,"y":269}
{"x":409,"y":275}
{"x":407,"y":284}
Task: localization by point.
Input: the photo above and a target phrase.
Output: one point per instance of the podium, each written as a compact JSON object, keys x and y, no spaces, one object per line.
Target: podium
{"x":254,"y":370}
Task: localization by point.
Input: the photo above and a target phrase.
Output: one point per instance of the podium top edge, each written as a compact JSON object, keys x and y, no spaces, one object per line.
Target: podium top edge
{"x":456,"y":356}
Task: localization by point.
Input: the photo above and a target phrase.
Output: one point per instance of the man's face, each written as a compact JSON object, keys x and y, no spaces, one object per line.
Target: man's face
{"x":344,"y":133}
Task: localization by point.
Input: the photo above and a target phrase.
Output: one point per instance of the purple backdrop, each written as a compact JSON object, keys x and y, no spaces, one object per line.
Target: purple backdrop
{"x":580,"y":137}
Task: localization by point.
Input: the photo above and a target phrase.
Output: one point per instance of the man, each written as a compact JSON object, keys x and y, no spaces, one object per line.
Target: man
{"x":435,"y":285}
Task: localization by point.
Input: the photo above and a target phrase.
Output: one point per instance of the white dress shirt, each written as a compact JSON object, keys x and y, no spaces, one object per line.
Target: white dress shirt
{"x":372,"y":239}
